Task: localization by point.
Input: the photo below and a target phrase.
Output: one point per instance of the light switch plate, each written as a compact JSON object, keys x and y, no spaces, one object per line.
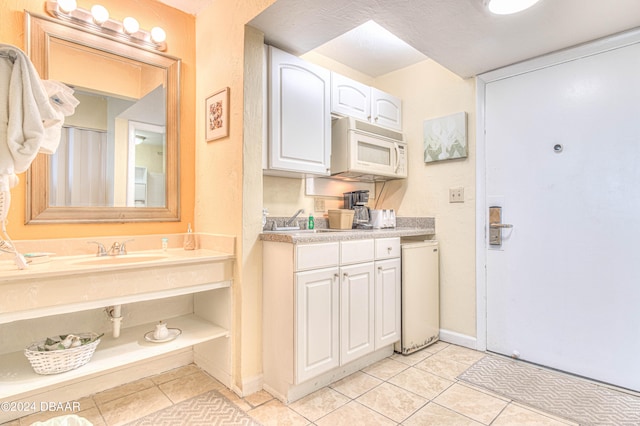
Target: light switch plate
{"x":456,"y":195}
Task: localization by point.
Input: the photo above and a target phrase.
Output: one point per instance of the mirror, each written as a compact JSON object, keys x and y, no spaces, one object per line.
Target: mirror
{"x":118,"y":155}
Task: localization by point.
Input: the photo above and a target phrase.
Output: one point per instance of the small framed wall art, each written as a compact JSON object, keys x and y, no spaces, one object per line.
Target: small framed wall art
{"x":445,"y":138}
{"x":217,"y":115}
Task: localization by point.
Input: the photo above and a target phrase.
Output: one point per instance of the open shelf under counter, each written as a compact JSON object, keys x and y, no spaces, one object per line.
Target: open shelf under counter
{"x":101,"y":303}
{"x":17,"y":377}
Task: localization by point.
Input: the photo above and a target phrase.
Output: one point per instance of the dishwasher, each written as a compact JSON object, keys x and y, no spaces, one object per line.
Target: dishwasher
{"x":420,"y":299}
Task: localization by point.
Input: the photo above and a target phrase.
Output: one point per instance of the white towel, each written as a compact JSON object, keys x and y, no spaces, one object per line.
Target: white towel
{"x":28,"y":120}
{"x":64,"y":103}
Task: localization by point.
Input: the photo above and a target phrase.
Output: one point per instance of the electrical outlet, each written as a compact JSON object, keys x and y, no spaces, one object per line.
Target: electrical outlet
{"x":456,"y":195}
{"x":318,"y":204}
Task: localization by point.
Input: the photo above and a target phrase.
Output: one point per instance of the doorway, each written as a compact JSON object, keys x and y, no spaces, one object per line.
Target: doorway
{"x":561,"y":156}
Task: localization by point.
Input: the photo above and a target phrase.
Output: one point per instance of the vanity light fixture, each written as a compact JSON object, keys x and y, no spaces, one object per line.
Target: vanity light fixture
{"x":100,"y":14}
{"x":508,"y":7}
{"x":97,"y":20}
{"x":131,"y":25}
{"x":68,"y":6}
{"x":158,"y":35}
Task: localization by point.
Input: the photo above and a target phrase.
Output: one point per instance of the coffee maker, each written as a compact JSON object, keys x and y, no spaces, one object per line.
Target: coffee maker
{"x":357,"y":201}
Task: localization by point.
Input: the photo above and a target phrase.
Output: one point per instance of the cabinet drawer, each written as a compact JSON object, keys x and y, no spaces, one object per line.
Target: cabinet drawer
{"x":313,"y":256}
{"x":356,"y":251}
{"x":387,"y":248}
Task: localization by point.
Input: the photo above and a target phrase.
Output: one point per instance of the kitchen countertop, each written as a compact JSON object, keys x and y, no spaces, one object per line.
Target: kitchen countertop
{"x":320,"y":235}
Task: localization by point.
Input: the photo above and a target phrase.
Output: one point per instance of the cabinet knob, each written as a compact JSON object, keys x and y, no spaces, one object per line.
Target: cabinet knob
{"x":379,"y":268}
{"x":389,"y":249}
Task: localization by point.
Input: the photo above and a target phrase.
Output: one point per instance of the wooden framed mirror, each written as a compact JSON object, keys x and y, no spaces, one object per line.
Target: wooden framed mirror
{"x":118,"y":160}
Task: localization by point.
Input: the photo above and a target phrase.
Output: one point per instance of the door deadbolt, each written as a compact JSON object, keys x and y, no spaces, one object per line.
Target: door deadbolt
{"x":496,"y":226}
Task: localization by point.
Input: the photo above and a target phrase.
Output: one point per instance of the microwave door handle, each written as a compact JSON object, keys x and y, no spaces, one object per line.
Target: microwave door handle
{"x":397,"y":148}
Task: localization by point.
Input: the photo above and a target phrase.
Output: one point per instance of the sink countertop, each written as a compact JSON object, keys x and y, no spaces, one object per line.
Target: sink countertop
{"x":73,"y":256}
{"x":88,"y":264}
{"x":305,"y":236}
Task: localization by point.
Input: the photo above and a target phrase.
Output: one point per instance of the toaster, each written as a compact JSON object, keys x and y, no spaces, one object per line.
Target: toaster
{"x":383,"y":218}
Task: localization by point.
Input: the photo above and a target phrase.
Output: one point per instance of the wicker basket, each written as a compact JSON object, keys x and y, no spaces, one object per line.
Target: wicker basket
{"x":61,"y":360}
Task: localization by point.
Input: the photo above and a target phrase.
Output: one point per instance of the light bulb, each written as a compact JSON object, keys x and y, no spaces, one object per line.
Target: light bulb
{"x":100,"y":14}
{"x":158,"y":35}
{"x":130,"y":25}
{"x":67,"y":6}
{"x":507,"y":7}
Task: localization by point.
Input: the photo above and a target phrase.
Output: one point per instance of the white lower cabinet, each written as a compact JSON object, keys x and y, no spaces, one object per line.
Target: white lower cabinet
{"x":317,"y":319}
{"x":356,"y":311}
{"x":327,"y":306}
{"x":387,"y":310}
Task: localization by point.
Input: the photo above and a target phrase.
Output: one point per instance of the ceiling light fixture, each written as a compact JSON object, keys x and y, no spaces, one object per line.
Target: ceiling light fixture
{"x":508,"y":7}
{"x":97,"y":21}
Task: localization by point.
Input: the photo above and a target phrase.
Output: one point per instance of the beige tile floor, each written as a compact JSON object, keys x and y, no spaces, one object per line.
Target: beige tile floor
{"x":419,"y":389}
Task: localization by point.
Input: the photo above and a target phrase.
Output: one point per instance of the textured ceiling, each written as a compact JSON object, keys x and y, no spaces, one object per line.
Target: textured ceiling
{"x":459,"y":34}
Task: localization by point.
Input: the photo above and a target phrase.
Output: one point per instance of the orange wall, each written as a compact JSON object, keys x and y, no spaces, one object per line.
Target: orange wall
{"x":180,"y":29}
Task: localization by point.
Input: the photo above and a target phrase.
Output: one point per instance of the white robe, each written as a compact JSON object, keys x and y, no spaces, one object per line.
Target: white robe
{"x":29,"y":123}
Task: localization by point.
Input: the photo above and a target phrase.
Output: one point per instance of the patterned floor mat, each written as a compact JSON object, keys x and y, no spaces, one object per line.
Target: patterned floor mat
{"x":562,"y":395}
{"x":208,"y":409}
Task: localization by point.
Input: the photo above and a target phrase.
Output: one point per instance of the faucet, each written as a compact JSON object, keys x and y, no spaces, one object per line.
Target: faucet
{"x":289,"y":221}
{"x":101,"y":250}
{"x":118,"y":248}
{"x":115,"y":250}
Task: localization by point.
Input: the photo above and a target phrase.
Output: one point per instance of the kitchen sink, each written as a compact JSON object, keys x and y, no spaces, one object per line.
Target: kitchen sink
{"x":308,"y":231}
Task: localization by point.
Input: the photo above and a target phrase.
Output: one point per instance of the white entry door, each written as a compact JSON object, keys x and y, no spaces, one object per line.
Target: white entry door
{"x":563,"y":162}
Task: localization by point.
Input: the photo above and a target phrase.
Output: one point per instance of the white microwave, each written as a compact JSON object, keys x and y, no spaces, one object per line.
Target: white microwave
{"x":365,"y":151}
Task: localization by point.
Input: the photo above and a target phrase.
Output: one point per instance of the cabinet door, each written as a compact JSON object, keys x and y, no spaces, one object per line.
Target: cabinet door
{"x":350,"y":97}
{"x":317,"y":316}
{"x":386,"y":109}
{"x":356,"y":311}
{"x":387,"y":302}
{"x":299,"y":115}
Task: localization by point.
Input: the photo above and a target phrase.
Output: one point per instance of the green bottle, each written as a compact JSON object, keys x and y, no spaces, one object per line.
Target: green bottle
{"x":312,"y":222}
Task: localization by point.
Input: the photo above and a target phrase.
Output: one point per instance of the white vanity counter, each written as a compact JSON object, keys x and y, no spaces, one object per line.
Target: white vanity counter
{"x":76,"y":280}
{"x":83,"y":264}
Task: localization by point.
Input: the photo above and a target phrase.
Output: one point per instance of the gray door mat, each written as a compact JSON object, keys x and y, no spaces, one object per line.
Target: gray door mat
{"x":208,"y":409}
{"x":566,"y":396}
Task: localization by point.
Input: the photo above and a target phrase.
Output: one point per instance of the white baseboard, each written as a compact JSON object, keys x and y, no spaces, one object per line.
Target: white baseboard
{"x":458,"y":339}
{"x":295,"y":392}
{"x":212,"y":369}
{"x":249,"y":386}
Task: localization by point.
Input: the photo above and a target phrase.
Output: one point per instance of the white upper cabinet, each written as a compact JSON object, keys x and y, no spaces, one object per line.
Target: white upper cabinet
{"x":355,"y":99}
{"x":386,"y":109}
{"x":299,"y":116}
{"x":350,"y":97}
